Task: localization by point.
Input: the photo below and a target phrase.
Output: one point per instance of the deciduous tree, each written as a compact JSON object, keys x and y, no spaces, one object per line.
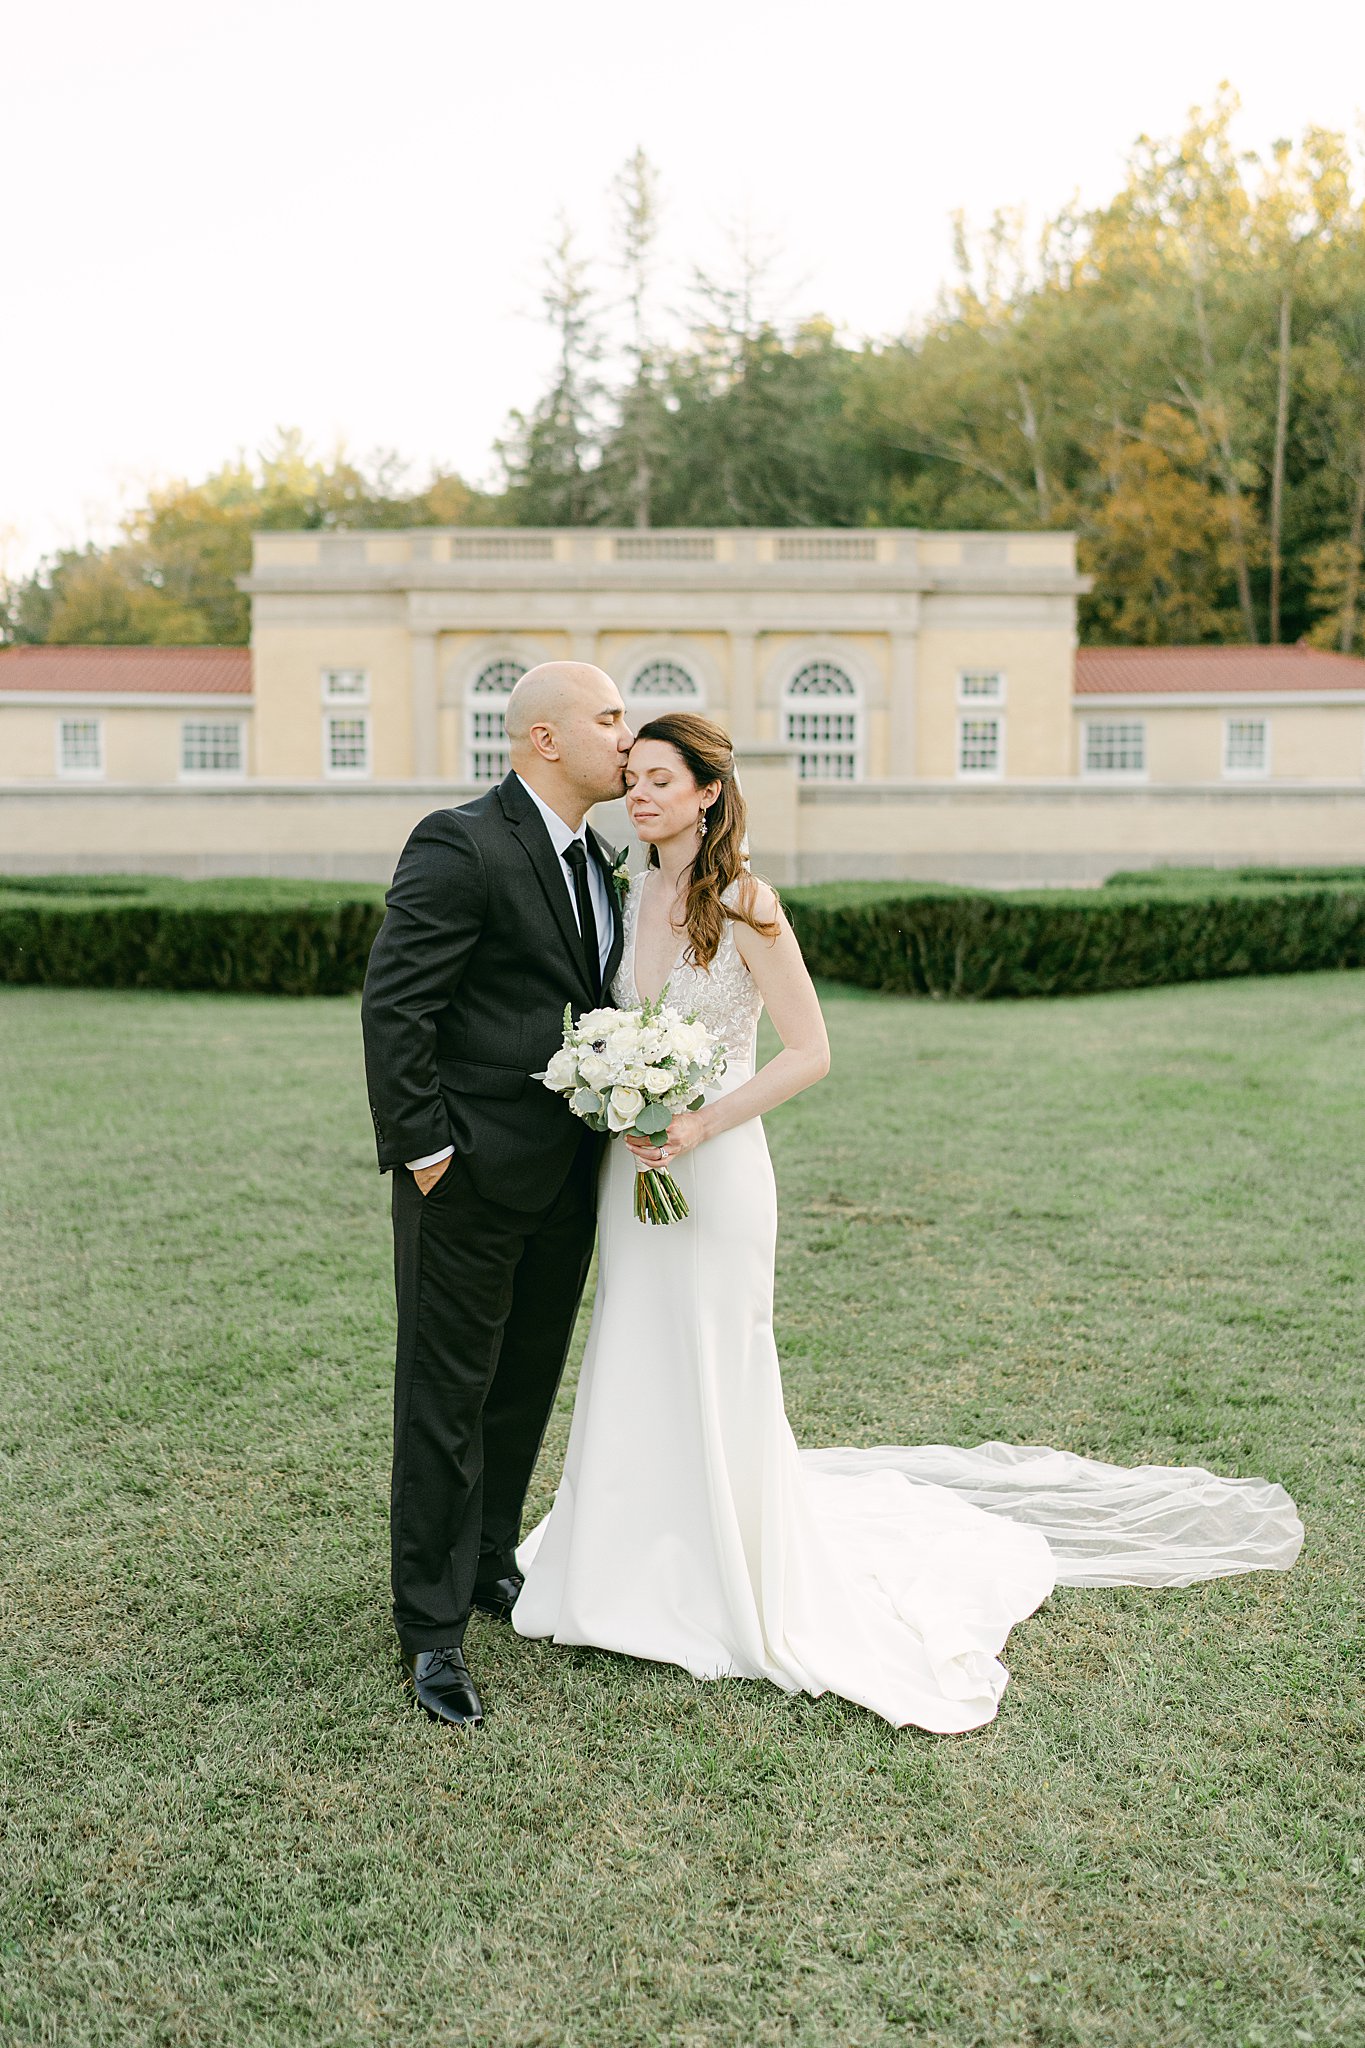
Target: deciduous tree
{"x":1162,"y":539}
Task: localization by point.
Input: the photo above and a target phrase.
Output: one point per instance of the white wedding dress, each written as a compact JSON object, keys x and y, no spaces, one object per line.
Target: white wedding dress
{"x":689,"y":1528}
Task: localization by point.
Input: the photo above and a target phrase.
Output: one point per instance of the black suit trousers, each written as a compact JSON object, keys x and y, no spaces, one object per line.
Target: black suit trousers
{"x":487,"y":1297}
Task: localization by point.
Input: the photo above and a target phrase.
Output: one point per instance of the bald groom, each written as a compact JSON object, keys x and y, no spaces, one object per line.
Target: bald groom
{"x":501,"y":911}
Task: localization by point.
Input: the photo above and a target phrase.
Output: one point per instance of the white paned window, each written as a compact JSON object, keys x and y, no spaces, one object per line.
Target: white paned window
{"x":212,"y":747}
{"x":821,"y":720}
{"x":499,"y":678}
{"x":1246,"y":746}
{"x":980,"y":746}
{"x":981,"y":686}
{"x":665,"y":682}
{"x":80,"y":747}
{"x":1115,"y":746}
{"x":347,"y":746}
{"x":345,"y":686}
{"x":486,"y":719}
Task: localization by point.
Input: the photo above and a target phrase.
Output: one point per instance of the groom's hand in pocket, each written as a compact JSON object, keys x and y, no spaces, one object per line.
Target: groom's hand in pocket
{"x":426,"y":1177}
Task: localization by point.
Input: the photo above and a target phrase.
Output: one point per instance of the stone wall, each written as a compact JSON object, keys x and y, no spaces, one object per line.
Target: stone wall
{"x":999,"y":834}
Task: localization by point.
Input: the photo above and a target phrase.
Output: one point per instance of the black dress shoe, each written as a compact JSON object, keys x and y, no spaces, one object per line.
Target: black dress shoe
{"x":499,"y":1596}
{"x":442,"y":1686}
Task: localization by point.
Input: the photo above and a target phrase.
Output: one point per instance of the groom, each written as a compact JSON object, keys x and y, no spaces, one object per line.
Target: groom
{"x":501,"y":912}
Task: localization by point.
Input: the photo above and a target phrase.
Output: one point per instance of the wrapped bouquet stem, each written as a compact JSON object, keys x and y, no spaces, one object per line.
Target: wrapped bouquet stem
{"x":630,"y":1072}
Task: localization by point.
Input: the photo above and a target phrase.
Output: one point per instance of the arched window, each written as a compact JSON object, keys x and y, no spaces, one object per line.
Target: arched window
{"x":820,"y":718}
{"x":664,"y":685}
{"x":486,"y":719}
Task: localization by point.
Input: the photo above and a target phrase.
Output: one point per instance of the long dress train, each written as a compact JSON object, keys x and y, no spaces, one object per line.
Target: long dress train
{"x":689,"y":1528}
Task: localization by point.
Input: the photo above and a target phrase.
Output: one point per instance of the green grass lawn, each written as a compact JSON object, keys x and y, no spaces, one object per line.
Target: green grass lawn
{"x":1131,"y":1225}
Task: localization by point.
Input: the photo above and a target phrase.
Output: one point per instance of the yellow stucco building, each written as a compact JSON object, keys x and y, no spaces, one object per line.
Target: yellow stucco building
{"x":903,"y":703}
{"x":850,"y":646}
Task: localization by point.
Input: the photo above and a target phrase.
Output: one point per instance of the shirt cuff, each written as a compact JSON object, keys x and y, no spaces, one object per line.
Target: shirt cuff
{"x":432,"y":1159}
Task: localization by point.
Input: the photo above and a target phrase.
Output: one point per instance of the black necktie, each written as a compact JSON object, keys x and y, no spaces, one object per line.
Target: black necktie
{"x":576,"y":854}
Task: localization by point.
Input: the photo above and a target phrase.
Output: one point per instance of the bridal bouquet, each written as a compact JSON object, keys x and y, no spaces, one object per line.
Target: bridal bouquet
{"x":631,"y":1071}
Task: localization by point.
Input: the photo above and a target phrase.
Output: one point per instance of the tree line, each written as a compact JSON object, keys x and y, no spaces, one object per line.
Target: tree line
{"x":1178,"y":375}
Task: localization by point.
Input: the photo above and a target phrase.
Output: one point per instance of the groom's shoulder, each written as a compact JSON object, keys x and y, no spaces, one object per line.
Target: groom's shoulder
{"x":480,"y":810}
{"x":474,"y":820}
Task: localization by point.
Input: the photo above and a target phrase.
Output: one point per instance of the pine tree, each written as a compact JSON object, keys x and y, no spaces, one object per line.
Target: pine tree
{"x":637,"y":444}
{"x":551,"y":455}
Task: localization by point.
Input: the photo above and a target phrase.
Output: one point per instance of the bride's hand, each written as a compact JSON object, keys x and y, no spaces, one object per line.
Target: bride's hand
{"x":684,"y":1134}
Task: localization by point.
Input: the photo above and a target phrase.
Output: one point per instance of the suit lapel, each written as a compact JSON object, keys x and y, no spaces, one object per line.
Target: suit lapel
{"x":604,"y":861}
{"x":529,"y":828}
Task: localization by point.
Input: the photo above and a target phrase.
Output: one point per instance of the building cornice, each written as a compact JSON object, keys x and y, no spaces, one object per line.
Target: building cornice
{"x":1075,"y":790}
{"x":859,"y":794}
{"x":511,"y":578}
{"x":702,"y":559}
{"x":236,"y":787}
{"x":102,"y":700}
{"x":1209,"y":700}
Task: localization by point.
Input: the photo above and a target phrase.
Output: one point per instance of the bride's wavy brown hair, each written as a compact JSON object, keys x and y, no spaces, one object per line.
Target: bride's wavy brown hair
{"x":720,"y":859}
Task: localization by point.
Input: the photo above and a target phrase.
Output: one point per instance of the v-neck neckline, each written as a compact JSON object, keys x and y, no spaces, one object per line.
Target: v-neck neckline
{"x":676,"y":962}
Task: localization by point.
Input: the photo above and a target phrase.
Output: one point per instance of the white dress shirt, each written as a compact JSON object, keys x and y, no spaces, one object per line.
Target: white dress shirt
{"x":562,"y":837}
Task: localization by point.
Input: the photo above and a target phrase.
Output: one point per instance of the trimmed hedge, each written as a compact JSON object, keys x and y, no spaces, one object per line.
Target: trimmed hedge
{"x":74,"y":885}
{"x":1074,"y":942}
{"x":261,"y":938}
{"x":1226,"y":878}
{"x":301,"y":938}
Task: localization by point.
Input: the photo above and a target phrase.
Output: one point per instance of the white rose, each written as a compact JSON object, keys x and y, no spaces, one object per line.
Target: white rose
{"x":623,"y":1108}
{"x":595,"y":1070}
{"x":562,"y":1070}
{"x":657,"y":1080}
{"x":597,"y":1023}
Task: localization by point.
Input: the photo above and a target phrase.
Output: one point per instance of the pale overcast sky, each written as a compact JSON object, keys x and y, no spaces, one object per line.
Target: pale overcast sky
{"x":220,"y":220}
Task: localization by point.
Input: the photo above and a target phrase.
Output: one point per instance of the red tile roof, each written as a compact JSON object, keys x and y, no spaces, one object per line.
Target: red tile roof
{"x":1100,"y":671}
{"x":129,"y":671}
{"x":1178,"y":671}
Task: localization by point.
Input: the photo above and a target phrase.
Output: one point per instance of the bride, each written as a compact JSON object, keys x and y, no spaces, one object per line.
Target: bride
{"x":687,"y":1526}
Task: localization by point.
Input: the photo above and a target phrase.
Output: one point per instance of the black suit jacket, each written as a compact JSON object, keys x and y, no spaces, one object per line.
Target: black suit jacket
{"x":465,"y":993}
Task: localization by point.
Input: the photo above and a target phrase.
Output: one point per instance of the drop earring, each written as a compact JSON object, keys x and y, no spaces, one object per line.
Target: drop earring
{"x":701,"y":823}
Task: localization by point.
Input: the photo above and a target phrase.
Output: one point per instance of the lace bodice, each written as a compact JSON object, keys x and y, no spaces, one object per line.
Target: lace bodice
{"x":724,"y":995}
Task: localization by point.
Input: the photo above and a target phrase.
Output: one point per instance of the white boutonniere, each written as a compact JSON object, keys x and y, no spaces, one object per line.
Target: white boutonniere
{"x":620,"y":872}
